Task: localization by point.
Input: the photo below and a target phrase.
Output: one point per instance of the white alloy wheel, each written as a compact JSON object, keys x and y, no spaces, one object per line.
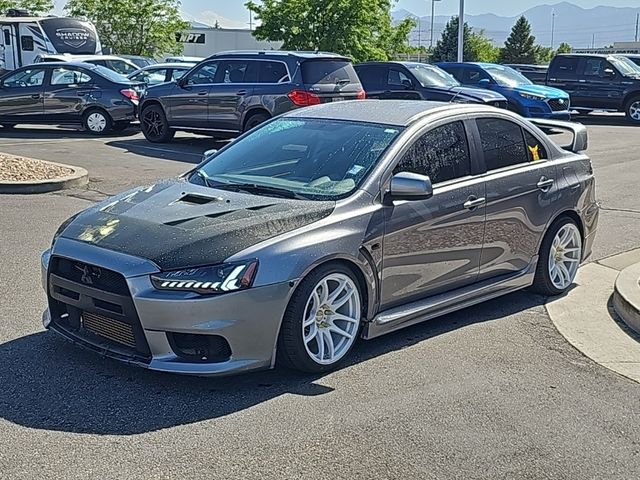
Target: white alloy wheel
{"x":96,"y":122}
{"x":634,"y":110}
{"x":565,"y":256}
{"x":331,"y":319}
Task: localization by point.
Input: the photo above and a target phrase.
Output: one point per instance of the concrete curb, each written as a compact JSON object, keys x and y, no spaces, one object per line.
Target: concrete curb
{"x":626,"y":296}
{"x":584,"y":317}
{"x":78,"y":178}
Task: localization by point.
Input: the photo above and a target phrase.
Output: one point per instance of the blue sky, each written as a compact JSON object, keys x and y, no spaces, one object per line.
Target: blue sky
{"x":234,"y":9}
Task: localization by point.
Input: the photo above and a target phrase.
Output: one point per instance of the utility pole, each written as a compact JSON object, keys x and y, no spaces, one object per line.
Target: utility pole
{"x":461,"y":32}
{"x":637,"y":25}
{"x":593,"y":41}
{"x":433,"y":10}
{"x":553,"y":25}
{"x":250,"y":20}
{"x":419,"y":39}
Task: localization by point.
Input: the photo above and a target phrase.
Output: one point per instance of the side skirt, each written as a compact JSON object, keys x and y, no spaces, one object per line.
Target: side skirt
{"x":428,"y":308}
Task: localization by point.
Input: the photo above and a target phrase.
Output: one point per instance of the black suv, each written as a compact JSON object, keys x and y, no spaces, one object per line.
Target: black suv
{"x":419,"y":81}
{"x":230,"y":93}
{"x":598,"y":82}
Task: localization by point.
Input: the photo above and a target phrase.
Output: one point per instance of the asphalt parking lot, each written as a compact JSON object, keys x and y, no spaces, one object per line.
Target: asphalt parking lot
{"x":493,"y":391}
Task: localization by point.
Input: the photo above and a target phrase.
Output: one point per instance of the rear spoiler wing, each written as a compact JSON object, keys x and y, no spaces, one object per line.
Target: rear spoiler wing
{"x":580,"y":140}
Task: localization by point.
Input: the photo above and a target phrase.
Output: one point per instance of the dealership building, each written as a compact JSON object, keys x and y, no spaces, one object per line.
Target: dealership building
{"x":617,"y":47}
{"x":204,"y":40}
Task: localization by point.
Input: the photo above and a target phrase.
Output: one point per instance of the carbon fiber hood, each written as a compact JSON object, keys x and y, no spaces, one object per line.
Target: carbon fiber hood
{"x":177,"y":224}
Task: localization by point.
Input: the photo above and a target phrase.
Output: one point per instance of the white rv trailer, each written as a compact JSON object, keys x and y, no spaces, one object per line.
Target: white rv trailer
{"x":24,"y":38}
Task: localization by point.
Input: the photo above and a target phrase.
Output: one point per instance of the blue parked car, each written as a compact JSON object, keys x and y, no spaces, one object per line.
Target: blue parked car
{"x":524,"y":97}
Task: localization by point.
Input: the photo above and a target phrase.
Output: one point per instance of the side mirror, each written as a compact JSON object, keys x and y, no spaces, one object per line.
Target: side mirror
{"x":484,"y":82}
{"x":410,"y":186}
{"x":609,"y":73}
{"x":208,"y":154}
{"x":408,"y":84}
{"x":182,"y":82}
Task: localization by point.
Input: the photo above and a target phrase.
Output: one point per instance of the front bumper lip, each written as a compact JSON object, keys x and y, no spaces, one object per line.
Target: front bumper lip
{"x":249,"y":320}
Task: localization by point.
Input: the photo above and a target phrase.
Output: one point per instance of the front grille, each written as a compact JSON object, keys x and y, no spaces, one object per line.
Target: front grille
{"x":109,"y":328}
{"x":89,"y":275}
{"x":558,"y":104}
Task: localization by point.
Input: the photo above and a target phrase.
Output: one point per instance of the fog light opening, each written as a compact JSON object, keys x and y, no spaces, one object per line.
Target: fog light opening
{"x":200,"y":348}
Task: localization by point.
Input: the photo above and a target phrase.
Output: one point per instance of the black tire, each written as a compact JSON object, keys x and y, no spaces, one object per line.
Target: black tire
{"x":97,"y":122}
{"x":632,"y":110}
{"x":542,"y":283}
{"x":121,"y":126}
{"x":291,"y":351}
{"x":254,"y":120}
{"x":583,"y":112}
{"x":154,"y":125}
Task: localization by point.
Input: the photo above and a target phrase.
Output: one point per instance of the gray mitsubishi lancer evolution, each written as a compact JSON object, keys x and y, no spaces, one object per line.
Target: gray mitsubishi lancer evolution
{"x":327,"y":224}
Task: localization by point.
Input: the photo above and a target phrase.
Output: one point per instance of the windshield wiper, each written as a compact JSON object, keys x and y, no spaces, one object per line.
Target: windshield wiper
{"x":258,"y":189}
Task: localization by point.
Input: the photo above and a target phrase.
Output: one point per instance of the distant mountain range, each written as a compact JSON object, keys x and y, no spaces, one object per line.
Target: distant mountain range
{"x":579,"y":27}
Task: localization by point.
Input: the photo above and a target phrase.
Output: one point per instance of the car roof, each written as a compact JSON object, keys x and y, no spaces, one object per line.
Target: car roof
{"x":398,"y":62}
{"x":170,"y":65}
{"x":401,"y":113}
{"x":75,"y":63}
{"x":280,"y":53}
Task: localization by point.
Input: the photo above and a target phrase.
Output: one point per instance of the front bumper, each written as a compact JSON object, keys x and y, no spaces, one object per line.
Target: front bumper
{"x":248,"y":320}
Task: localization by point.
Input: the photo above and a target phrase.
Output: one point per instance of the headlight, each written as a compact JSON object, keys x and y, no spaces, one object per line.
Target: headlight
{"x":531,"y":96}
{"x":227,"y":277}
{"x":62,"y":227}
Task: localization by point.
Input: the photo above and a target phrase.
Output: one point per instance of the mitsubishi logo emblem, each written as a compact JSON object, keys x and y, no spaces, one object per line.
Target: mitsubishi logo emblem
{"x":88,"y":273}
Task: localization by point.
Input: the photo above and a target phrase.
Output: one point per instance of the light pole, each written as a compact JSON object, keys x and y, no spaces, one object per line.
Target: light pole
{"x":461,"y":32}
{"x":553,"y":25}
{"x":433,"y":9}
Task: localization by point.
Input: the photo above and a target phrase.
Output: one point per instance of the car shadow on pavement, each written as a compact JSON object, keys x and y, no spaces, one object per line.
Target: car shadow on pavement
{"x":60,"y":133}
{"x":182,"y":149}
{"x":47,"y":383}
{"x":603,"y":119}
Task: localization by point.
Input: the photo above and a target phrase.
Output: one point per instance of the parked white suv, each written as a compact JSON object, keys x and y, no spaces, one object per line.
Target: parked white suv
{"x":117,"y":64}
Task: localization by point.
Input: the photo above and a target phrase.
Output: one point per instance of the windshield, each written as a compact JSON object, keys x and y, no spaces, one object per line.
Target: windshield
{"x":432,"y":76}
{"x":506,"y":76}
{"x":625,"y":66}
{"x":311,"y":158}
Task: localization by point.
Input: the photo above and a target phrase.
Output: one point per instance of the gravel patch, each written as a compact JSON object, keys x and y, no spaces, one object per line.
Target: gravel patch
{"x":20,"y":169}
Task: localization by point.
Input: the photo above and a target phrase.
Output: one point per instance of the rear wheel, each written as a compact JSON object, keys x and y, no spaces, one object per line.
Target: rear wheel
{"x":254,"y":120}
{"x":155,"y":126}
{"x":632,"y":110}
{"x":97,"y":122}
{"x":560,"y":256}
{"x":322,"y":321}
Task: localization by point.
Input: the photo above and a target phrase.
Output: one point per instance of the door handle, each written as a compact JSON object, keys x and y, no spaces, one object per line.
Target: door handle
{"x":240,"y":93}
{"x":204,"y":92}
{"x":474,"y":202}
{"x":82,"y":94}
{"x":36,"y":96}
{"x":545,"y":184}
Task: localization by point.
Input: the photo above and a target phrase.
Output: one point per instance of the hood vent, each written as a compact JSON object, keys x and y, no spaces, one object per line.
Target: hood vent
{"x":193,"y":199}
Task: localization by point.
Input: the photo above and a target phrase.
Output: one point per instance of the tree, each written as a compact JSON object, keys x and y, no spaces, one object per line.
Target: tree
{"x":544,"y":54}
{"x":360,"y":29}
{"x":520,"y":46}
{"x":564,"y":48}
{"x":134,"y":27}
{"x":477,"y":47}
{"x":34,"y":7}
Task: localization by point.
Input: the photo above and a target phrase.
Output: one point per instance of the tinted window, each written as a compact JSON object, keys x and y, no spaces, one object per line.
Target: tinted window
{"x":565,"y":65}
{"x":535,"y":147}
{"x":178,"y":73}
{"x":65,"y":76}
{"x":7,"y":37}
{"x":151,"y":77}
{"x":397,"y":78}
{"x":238,"y":71}
{"x":474,"y":75}
{"x":317,"y":72}
{"x":372,"y":77}
{"x":120,"y":66}
{"x":502,"y":143}
{"x":442,"y":154}
{"x":204,"y":74}
{"x":32,"y":77}
{"x":26,"y":42}
{"x":595,"y":67}
{"x":273,"y":72}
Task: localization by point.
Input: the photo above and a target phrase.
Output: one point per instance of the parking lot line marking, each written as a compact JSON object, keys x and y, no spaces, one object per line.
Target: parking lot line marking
{"x":41,"y":142}
{"x":157,"y":149}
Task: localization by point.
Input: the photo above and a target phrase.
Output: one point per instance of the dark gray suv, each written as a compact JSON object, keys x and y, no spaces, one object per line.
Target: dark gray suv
{"x":230,"y":93}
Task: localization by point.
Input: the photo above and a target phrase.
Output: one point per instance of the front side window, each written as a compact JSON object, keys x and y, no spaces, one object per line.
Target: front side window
{"x":178,"y":73}
{"x":121,"y":67}
{"x":65,"y":76}
{"x":430,"y":76}
{"x":151,"y":77}
{"x":502,"y":143}
{"x":312,"y":158}
{"x":442,"y":154}
{"x":507,"y":76}
{"x":32,"y":77}
{"x":595,"y":67}
{"x":473,"y":76}
{"x":204,"y":74}
{"x":535,"y":147}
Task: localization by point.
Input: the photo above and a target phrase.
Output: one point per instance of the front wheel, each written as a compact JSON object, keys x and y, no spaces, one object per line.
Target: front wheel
{"x":155,"y":126}
{"x":322,"y":321}
{"x":560,"y":256}
{"x":632,"y":110}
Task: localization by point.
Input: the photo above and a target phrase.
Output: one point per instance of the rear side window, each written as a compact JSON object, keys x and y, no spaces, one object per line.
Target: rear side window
{"x":273,"y":72}
{"x":328,"y":72}
{"x":26,"y":42}
{"x":238,"y":71}
{"x":398,"y":78}
{"x":441,"y":153}
{"x":567,"y":65}
{"x":65,"y":76}
{"x":372,"y":77}
{"x":535,"y":148}
{"x":502,"y":143}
